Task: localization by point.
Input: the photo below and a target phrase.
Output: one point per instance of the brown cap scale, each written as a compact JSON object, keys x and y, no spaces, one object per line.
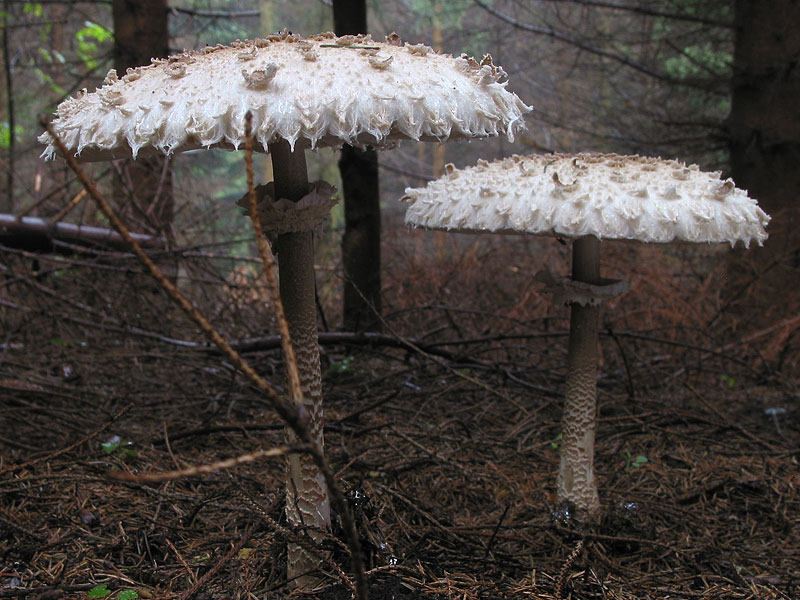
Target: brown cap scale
{"x":588,"y":197}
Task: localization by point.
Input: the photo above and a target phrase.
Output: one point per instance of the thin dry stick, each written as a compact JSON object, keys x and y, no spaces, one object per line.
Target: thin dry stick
{"x":729,"y":421}
{"x":213,"y":570}
{"x":211,"y":467}
{"x":169,"y":447}
{"x":183,"y":562}
{"x":288,"y":412}
{"x":72,"y":204}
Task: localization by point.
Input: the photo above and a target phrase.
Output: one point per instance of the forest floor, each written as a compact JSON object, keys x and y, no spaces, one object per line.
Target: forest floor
{"x":448,"y":450}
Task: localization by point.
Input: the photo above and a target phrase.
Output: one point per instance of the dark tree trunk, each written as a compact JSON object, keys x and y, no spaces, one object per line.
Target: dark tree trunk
{"x":361,"y":244}
{"x":764,"y":129}
{"x":141,"y":33}
{"x":10,"y":114}
{"x":764,"y":122}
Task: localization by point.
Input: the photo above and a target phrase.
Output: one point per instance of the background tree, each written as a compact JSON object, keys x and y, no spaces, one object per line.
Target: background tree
{"x":361,"y":241}
{"x":141,"y":33}
{"x":9,"y":123}
{"x":764,"y":122}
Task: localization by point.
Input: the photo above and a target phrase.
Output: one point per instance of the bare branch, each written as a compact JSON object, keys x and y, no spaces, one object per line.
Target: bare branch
{"x":650,"y":12}
{"x":215,"y":14}
{"x":24,"y":231}
{"x":556,"y":35}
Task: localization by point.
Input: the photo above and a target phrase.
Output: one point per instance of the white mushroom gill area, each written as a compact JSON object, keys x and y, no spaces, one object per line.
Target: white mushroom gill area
{"x":605,"y":195}
{"x":318,"y":91}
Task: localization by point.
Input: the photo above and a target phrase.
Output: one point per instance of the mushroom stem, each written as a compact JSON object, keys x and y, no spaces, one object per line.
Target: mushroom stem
{"x":307,"y":502}
{"x":576,"y":483}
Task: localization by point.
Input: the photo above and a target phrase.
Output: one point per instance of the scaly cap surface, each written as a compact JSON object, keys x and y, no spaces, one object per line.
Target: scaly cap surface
{"x":320,"y":91}
{"x":605,"y":195}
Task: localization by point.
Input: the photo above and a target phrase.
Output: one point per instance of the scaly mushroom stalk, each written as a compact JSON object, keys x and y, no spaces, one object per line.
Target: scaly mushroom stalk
{"x":576,"y":483}
{"x":307,"y":501}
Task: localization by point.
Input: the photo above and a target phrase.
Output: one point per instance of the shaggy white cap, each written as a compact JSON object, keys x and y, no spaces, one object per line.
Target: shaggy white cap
{"x":605,"y":195}
{"x":320,"y":91}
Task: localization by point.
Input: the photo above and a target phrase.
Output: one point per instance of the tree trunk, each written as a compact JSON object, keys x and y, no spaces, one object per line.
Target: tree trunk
{"x":141,"y":33}
{"x":361,"y":244}
{"x":764,"y":121}
{"x":8,"y":206}
{"x":764,"y":130}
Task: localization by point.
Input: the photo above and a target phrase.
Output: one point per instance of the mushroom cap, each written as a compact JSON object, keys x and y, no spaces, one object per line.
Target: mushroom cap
{"x":319,"y":91}
{"x":604,"y":195}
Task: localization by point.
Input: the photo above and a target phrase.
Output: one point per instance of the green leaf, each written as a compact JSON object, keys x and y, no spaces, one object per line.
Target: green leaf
{"x":343,"y":367}
{"x":98,"y":591}
{"x":49,"y":82}
{"x":5,"y":135}
{"x":119,"y":448}
{"x":111,"y":446}
{"x":33,"y":8}
{"x":51,"y":56}
{"x":632,"y":462}
{"x":87,"y":39}
{"x":94,"y":30}
{"x":127,"y":595}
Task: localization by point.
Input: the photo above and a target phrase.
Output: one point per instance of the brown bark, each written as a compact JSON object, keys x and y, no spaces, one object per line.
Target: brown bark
{"x":141,"y":33}
{"x":9,"y":116}
{"x":361,"y":243}
{"x":764,"y":142}
{"x":764,"y":122}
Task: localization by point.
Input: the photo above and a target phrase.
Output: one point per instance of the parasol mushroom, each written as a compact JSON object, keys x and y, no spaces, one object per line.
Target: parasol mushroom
{"x":589,"y":198}
{"x":302,"y":93}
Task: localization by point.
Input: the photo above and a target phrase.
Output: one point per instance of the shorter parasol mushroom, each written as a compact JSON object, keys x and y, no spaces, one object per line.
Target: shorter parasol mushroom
{"x":587,"y":197}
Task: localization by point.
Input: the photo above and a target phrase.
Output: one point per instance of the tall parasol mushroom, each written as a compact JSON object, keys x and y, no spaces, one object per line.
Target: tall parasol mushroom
{"x":589,"y":198}
{"x":303,"y":93}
